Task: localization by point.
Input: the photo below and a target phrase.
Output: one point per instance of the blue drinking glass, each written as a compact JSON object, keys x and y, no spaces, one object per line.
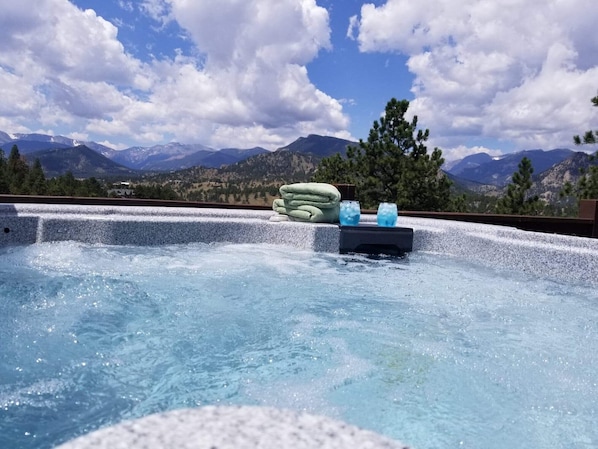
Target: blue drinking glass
{"x":387,"y":215}
{"x":349,"y":213}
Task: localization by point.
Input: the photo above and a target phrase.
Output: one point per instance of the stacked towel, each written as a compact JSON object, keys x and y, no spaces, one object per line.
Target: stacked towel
{"x":324,"y":196}
{"x":306,"y":212}
{"x":309,"y":201}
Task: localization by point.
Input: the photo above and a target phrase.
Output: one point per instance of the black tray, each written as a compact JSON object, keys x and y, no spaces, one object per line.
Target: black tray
{"x":373,"y":239}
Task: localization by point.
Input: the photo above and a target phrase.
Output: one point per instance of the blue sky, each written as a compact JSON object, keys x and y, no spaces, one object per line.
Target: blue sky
{"x":479,"y":75}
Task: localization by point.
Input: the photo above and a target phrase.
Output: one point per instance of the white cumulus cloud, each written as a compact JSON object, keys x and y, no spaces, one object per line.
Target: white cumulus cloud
{"x":513,"y":71}
{"x":245,"y":84}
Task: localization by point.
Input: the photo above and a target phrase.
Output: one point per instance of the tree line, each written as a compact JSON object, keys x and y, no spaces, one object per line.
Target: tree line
{"x":18,"y":178}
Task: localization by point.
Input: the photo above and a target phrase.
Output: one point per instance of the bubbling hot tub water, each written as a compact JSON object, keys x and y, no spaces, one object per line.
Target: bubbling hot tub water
{"x":428,"y":350}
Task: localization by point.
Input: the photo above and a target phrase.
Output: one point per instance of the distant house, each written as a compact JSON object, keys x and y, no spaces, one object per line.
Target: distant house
{"x":121,"y":190}
{"x":121,"y":193}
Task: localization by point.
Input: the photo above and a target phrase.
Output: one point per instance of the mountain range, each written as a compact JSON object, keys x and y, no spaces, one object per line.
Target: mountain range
{"x":80,"y":160}
{"x":485,"y":169}
{"x":479,"y":172}
{"x":169,"y":157}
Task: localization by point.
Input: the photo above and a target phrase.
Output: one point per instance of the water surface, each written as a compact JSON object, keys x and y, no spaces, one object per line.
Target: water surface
{"x":429,"y":350}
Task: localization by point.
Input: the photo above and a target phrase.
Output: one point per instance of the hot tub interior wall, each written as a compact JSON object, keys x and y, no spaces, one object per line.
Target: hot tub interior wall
{"x":565,"y":258}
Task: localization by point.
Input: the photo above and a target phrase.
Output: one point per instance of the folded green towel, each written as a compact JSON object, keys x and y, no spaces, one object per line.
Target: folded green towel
{"x":307,"y":212}
{"x":318,"y":194}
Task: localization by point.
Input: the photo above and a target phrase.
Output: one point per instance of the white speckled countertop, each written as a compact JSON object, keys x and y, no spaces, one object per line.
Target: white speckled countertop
{"x":559,"y":257}
{"x":232,"y":428}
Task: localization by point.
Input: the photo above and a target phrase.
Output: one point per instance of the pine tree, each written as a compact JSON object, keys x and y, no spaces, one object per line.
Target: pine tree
{"x":393,"y":165}
{"x":4,"y":184}
{"x":516,"y":201}
{"x":587,"y":186}
{"x":590,"y":137}
{"x":91,"y":187}
{"x":335,"y":170}
{"x":36,"y":179}
{"x":17,"y":172}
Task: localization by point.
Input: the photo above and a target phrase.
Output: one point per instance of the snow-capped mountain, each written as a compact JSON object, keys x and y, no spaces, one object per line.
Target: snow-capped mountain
{"x":171,"y":156}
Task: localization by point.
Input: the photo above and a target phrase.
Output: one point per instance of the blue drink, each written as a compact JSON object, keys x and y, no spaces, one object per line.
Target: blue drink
{"x":349,"y":213}
{"x":387,"y":215}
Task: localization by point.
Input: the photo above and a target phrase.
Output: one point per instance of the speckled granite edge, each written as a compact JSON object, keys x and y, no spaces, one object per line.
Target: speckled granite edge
{"x":564,"y":258}
{"x":247,"y":427}
{"x":552,"y":256}
{"x":38,"y":223}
